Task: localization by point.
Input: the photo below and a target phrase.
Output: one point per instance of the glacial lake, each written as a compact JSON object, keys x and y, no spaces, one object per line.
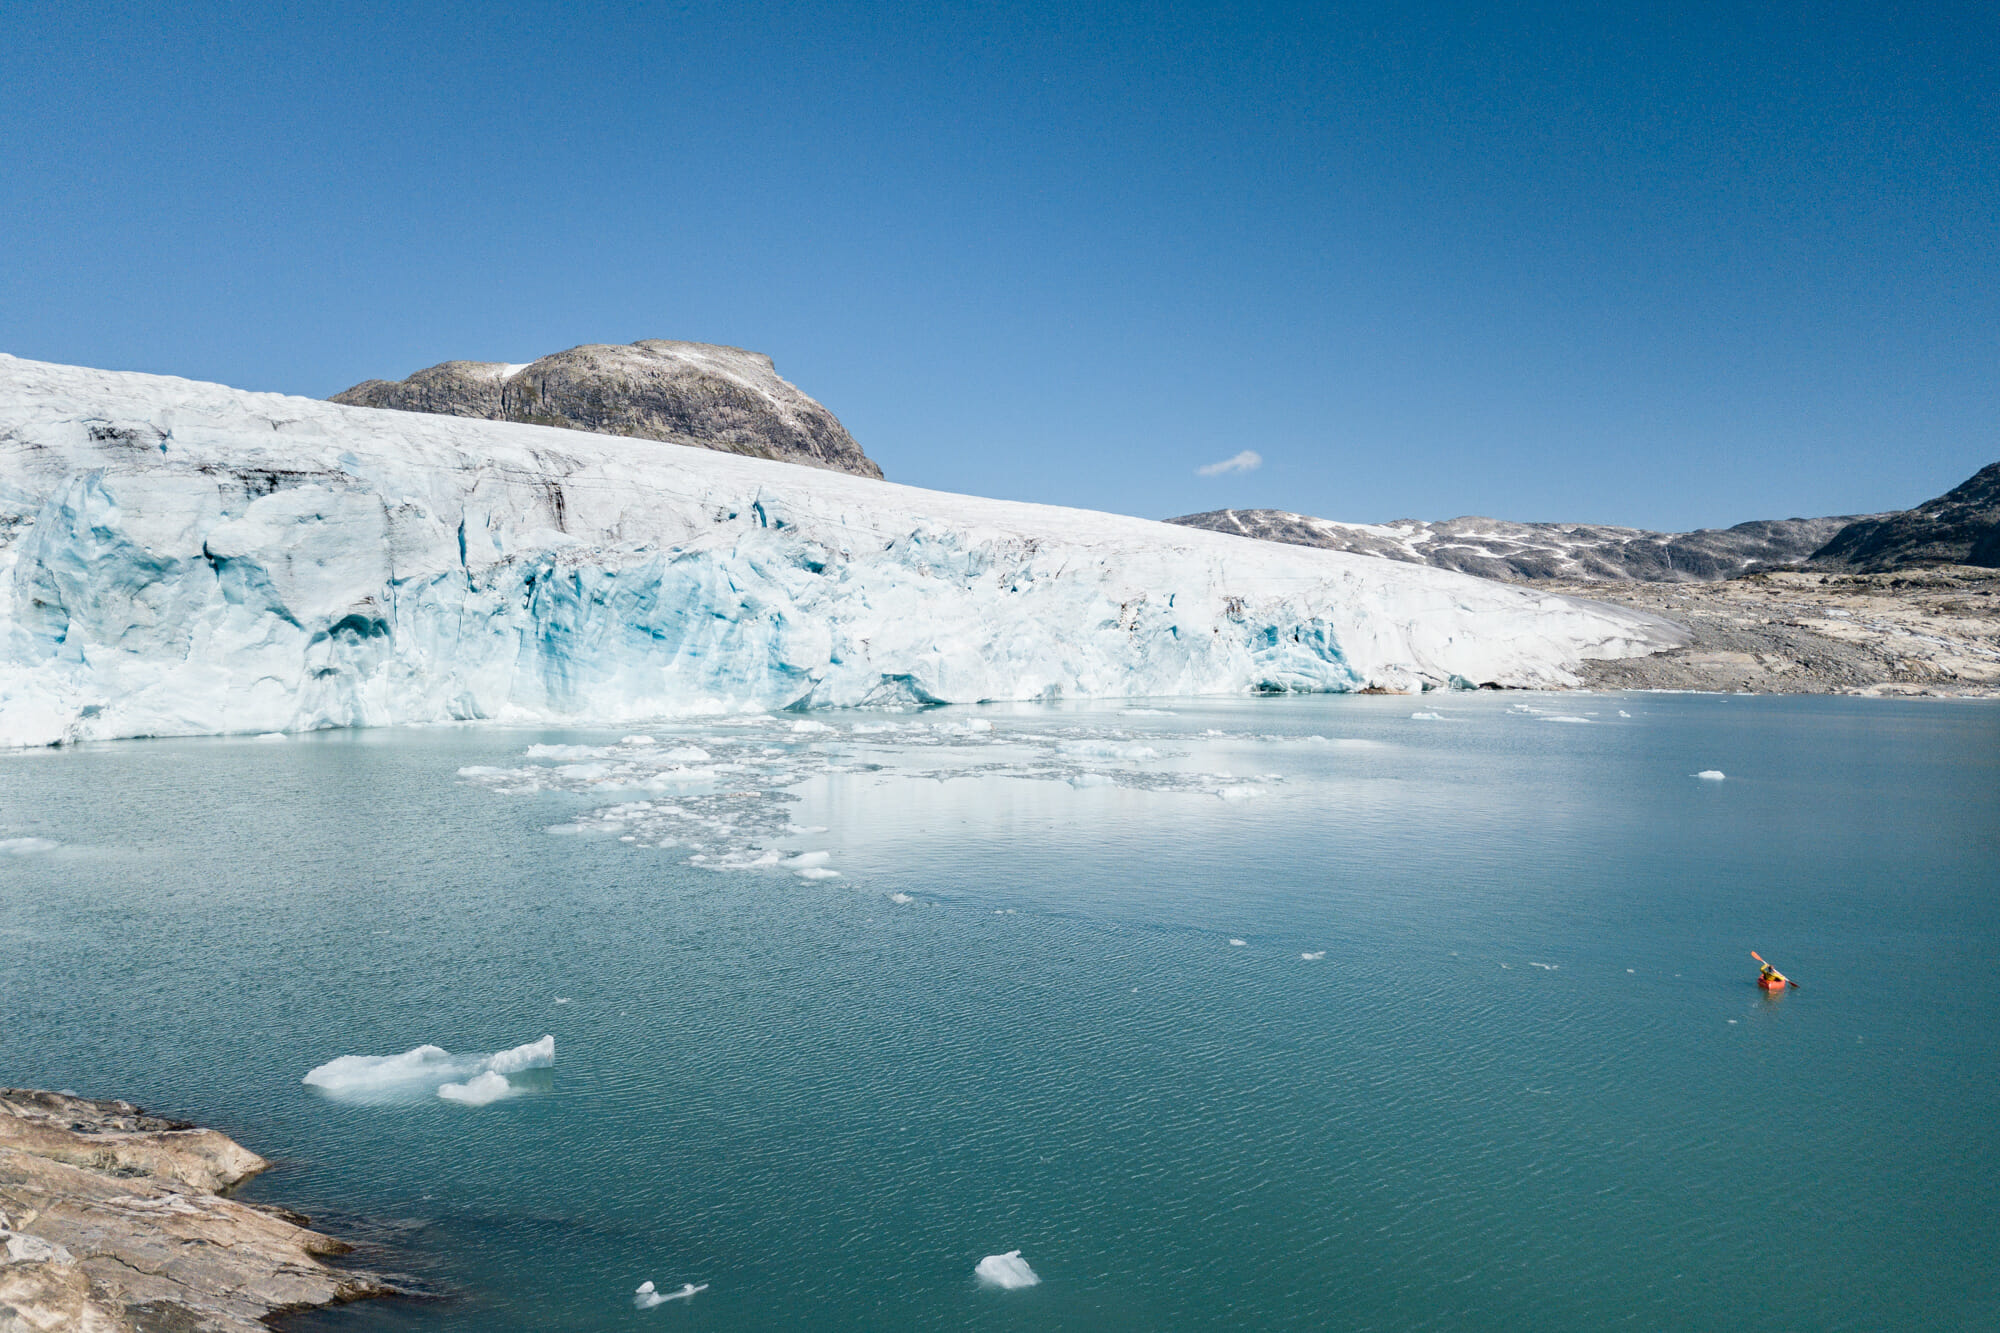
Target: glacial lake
{"x":1487,"y":1055}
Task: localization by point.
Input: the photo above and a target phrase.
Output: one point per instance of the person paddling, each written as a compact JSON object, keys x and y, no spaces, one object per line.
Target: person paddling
{"x":1771,"y":978}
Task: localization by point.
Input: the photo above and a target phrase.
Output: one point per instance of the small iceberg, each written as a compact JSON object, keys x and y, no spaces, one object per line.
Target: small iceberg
{"x":646,"y":1297}
{"x":471,"y":1080}
{"x":1711,"y":775}
{"x":1008,"y":1271}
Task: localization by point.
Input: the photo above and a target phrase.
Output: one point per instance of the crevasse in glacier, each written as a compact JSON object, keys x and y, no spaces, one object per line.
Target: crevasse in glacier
{"x":180,"y":558}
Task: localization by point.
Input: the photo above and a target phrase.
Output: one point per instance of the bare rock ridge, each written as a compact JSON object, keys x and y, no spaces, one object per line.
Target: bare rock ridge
{"x":678,"y":392}
{"x":1533,"y":552}
{"x":1960,"y":527}
{"x":113,"y":1221}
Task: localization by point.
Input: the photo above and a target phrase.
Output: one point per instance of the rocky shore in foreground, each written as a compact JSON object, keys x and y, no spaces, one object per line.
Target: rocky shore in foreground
{"x":114,"y":1221}
{"x":1932,"y":632}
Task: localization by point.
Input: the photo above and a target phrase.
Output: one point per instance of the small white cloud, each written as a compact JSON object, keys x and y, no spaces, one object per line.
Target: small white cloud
{"x":1247,"y":461}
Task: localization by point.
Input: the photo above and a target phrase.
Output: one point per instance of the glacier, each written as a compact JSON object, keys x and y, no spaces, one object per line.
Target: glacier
{"x":180,"y":558}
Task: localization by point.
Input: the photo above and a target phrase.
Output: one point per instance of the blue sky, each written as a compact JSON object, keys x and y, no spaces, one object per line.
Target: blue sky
{"x":1676,"y":268}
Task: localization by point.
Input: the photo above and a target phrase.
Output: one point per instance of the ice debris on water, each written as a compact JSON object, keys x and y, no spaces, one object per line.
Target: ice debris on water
{"x":273,"y":736}
{"x":901,"y":899}
{"x":1238,"y":943}
{"x":720,"y":792}
{"x":472,"y":1079}
{"x":1711,"y":775}
{"x":1427,"y":717}
{"x":646,"y":1297}
{"x":1313,"y":957}
{"x":1007,"y":1271}
{"x":26,"y":846}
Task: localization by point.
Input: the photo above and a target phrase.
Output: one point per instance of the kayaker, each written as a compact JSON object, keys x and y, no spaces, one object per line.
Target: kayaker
{"x":1768,"y":973}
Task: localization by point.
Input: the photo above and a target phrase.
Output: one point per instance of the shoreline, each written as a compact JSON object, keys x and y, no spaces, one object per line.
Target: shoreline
{"x":114,"y":1221}
{"x":1924,"y":633}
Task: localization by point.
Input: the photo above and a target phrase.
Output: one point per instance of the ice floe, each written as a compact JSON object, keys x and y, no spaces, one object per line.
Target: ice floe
{"x":646,"y":1297}
{"x":1313,"y":957}
{"x":423,"y":1070}
{"x":1711,"y":775}
{"x":1008,"y":1271}
{"x":26,"y":846}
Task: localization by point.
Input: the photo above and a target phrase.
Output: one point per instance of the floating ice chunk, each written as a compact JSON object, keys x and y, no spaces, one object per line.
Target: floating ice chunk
{"x":480,"y":1090}
{"x":1623,"y":713}
{"x":687,"y":754}
{"x":809,"y":727}
{"x":817,"y":872}
{"x":1238,"y":943}
{"x":1313,"y":957}
{"x":646,"y":1297}
{"x":1584,"y":720}
{"x":1546,"y":967}
{"x":1243,"y":793}
{"x":1008,"y":1271}
{"x":1132,"y":750}
{"x":567,"y":830}
{"x":360,"y":1075}
{"x":1082,"y":780}
{"x":484,"y":771}
{"x":565,"y":752}
{"x":531,"y":1055}
{"x":562,"y":999}
{"x":1427,"y":717}
{"x":427,"y":1068}
{"x":1146,"y":712}
{"x":272,"y":736}
{"x":26,"y":846}
{"x":637,"y":740}
{"x":901,"y":899}
{"x":1711,"y":775}
{"x":805,"y":859}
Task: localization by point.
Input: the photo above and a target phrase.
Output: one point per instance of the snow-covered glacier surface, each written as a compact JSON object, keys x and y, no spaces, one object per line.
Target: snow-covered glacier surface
{"x":179,"y":558}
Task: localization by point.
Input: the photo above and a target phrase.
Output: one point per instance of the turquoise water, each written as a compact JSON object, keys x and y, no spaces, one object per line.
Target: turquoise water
{"x":1528,"y":1083}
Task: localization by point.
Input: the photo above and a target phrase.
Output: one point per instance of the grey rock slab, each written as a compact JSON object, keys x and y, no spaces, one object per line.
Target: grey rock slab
{"x":112,"y":1220}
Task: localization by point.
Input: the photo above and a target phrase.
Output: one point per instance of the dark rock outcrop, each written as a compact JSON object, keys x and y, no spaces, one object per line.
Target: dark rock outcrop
{"x":112,"y":1221}
{"x":1523,"y":552}
{"x":679,"y":392}
{"x":1960,"y":527}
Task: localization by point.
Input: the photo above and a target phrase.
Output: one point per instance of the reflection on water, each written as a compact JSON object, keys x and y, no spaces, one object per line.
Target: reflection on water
{"x":1278,"y":1013}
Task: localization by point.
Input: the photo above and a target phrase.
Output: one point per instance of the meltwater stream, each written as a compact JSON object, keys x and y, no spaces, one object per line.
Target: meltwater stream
{"x":1303,"y":1013}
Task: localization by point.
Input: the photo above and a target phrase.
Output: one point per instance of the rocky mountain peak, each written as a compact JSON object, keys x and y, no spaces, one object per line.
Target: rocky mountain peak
{"x":699,"y":394}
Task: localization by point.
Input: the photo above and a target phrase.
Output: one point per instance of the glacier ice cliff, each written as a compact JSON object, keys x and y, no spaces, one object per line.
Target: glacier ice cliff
{"x":179,"y":558}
